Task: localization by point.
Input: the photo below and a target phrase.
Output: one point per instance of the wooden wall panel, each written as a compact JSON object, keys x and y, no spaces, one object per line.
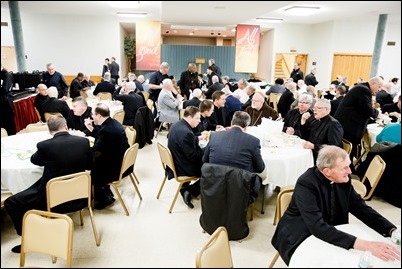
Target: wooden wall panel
{"x":351,"y":66}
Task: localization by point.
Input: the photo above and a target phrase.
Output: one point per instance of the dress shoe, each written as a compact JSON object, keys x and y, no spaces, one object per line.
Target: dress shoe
{"x":187,"y":199}
{"x":16,"y":249}
{"x":107,"y":201}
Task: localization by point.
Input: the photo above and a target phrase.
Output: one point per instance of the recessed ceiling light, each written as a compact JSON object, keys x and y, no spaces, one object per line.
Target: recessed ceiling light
{"x":301,"y":11}
{"x":132,"y":14}
{"x":269,"y":20}
{"x":192,"y":27}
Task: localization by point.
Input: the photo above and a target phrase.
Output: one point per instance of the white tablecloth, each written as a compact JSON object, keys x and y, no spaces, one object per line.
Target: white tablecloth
{"x":373,"y":130}
{"x":284,"y":157}
{"x":17,"y":171}
{"x":315,"y":253}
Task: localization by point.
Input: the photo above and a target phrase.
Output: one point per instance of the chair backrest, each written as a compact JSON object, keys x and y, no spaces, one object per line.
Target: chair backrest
{"x":347,"y":146}
{"x":216,"y":252}
{"x":274,"y":98}
{"x":373,"y":174}
{"x":131,"y":134}
{"x":67,"y":188}
{"x":3,"y":132}
{"x":37,"y":127}
{"x":47,"y":233}
{"x":283,"y":200}
{"x":49,"y":114}
{"x":146,"y":95}
{"x":181,"y":113}
{"x":104,"y":95}
{"x":166,"y":158}
{"x":129,"y":158}
{"x":119,"y":116}
{"x":83,"y":94}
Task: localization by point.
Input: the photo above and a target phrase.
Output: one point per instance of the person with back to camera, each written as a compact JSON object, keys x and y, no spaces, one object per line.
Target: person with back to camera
{"x":310,"y":211}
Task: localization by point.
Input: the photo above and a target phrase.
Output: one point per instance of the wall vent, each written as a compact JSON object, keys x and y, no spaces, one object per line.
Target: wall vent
{"x":391,"y":43}
{"x":4,"y":23}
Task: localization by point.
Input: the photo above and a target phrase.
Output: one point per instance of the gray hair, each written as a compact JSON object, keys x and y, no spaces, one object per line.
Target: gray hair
{"x":164,"y":65}
{"x":56,"y":123}
{"x":130,"y":86}
{"x":167,"y":82}
{"x":197,"y":93}
{"x":305,"y":96}
{"x":241,"y":118}
{"x":328,"y":155}
{"x":52,"y":92}
{"x":107,"y":76}
{"x":215,"y":79}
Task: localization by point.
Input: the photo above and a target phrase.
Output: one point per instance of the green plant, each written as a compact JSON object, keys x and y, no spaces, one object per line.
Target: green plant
{"x":129,"y":50}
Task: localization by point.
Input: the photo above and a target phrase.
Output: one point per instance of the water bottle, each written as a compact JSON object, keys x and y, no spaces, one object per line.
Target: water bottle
{"x":366,"y":260}
{"x":396,"y":237}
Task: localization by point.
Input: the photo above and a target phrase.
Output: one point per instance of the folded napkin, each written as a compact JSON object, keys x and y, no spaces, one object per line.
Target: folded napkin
{"x":24,"y":155}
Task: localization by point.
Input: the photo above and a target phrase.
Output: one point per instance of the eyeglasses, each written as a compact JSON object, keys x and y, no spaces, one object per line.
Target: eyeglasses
{"x":319,"y":107}
{"x":304,"y":103}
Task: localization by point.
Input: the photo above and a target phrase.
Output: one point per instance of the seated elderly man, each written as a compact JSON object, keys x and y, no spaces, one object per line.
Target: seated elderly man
{"x":216,"y":86}
{"x":323,"y":198}
{"x":105,"y":86}
{"x":169,"y":105}
{"x":236,"y":148}
{"x":260,"y":109}
{"x":323,"y":129}
{"x":81,"y":111}
{"x":187,"y":154}
{"x":292,"y":120}
{"x":54,"y":105}
{"x":41,"y":98}
{"x":195,"y":101}
{"x":131,"y":101}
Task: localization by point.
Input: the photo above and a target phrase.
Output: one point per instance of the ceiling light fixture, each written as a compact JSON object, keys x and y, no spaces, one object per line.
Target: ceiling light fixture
{"x":301,"y":11}
{"x":189,"y":27}
{"x":132,"y":14}
{"x":125,"y":4}
{"x":269,"y":20}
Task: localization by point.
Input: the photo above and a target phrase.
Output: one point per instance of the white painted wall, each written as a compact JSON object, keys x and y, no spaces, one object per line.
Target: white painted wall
{"x":80,"y":44}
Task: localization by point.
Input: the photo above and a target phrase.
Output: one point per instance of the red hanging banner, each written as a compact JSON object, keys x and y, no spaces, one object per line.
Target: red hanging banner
{"x":148,"y":45}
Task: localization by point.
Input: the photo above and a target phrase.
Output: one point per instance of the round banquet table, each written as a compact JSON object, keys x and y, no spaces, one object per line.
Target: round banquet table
{"x":315,"y":253}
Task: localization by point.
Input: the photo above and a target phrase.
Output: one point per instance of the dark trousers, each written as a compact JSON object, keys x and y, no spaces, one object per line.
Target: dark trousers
{"x":193,"y":189}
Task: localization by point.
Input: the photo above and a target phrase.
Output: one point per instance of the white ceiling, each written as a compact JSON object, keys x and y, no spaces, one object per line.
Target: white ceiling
{"x":219,"y":13}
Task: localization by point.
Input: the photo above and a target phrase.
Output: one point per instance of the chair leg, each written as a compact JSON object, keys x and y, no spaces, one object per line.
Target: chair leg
{"x":159,"y":129}
{"x":175,"y":198}
{"x":133,"y":177}
{"x":161,"y":187}
{"x":136,"y":179}
{"x":274,"y":259}
{"x":263,"y":199}
{"x":251,"y":209}
{"x":91,"y":215}
{"x":120,"y":198}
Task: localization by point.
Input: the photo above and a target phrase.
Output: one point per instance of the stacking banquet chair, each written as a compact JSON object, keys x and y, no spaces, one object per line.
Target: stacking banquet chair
{"x":167,"y":162}
{"x":3,"y":132}
{"x":131,"y":134}
{"x":347,"y":146}
{"x":282,"y":203}
{"x":274,"y":98}
{"x":47,"y":233}
{"x":4,"y":196}
{"x":216,"y":252}
{"x":36,"y":127}
{"x":104,"y":95}
{"x":129,"y":159}
{"x":373,"y":175}
{"x":49,"y":114}
{"x":38,"y":114}
{"x":67,"y":188}
{"x":119,"y":116}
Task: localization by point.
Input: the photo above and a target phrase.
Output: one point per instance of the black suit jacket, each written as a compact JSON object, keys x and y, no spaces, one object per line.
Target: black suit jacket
{"x":131,"y":103}
{"x":110,"y":145}
{"x":284,"y":103}
{"x":78,"y":122}
{"x":192,"y":102}
{"x":335,"y":104}
{"x":104,"y":86}
{"x":56,"y":105}
{"x":61,"y":155}
{"x":187,"y":154}
{"x":309,"y":214}
{"x":188,"y":81}
{"x":223,"y":119}
{"x":234,"y":148}
{"x":355,"y":111}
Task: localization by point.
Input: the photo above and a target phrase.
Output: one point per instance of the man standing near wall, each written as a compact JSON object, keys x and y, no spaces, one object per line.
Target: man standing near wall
{"x":114,"y":70}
